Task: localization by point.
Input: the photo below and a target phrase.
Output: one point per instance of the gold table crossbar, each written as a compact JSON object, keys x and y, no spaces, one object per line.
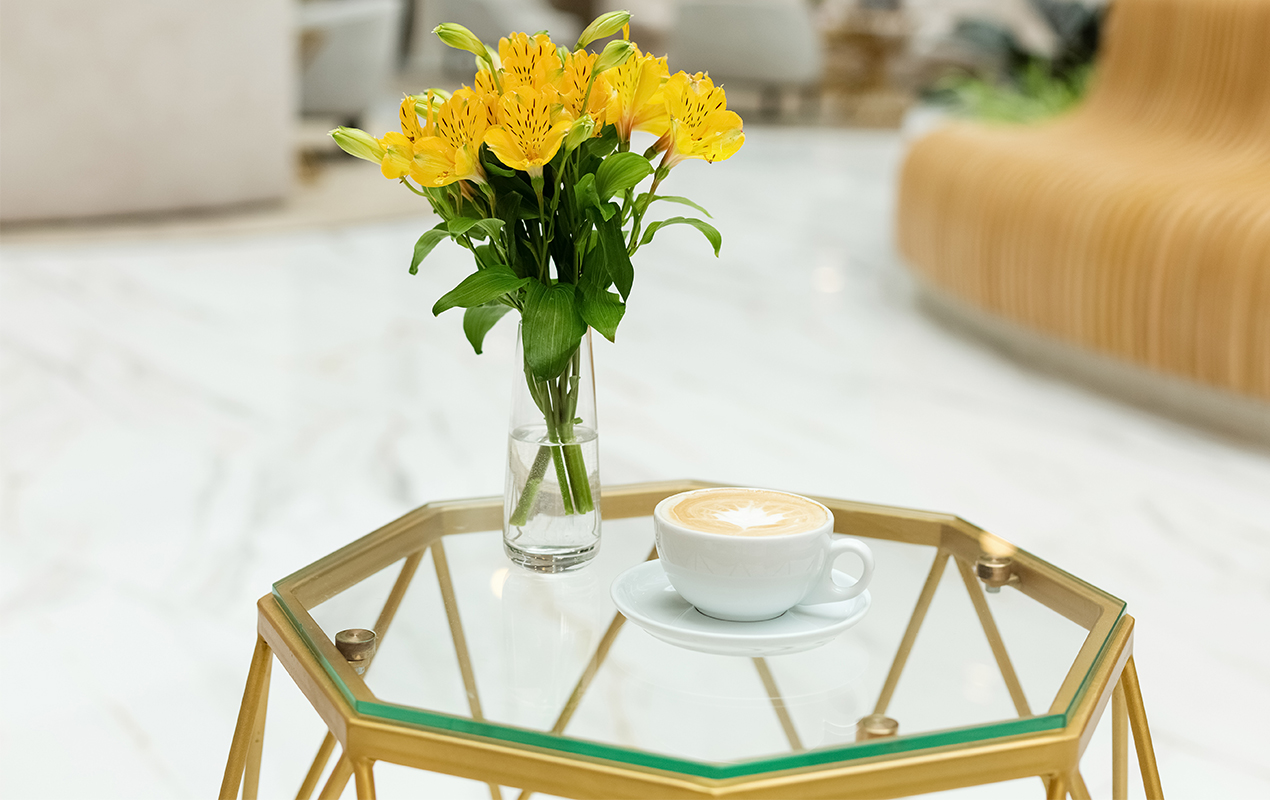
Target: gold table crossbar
{"x":1103,"y":672}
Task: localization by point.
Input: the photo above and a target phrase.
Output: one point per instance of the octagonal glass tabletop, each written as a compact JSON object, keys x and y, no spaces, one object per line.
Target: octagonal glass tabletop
{"x":471,"y":644}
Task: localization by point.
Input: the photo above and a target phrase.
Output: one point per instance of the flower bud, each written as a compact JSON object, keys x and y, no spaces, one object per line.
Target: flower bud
{"x":602,"y":27}
{"x":615,"y":53}
{"x":358,"y":143}
{"x":459,"y":38}
{"x":579,"y":132}
{"x":429,"y":100}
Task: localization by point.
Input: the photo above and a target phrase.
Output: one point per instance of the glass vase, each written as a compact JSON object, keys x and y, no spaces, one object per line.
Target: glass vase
{"x":551,"y":502}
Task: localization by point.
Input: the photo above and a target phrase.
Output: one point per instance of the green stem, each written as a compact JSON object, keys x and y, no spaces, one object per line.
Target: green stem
{"x":520,"y":515}
{"x":579,"y":481}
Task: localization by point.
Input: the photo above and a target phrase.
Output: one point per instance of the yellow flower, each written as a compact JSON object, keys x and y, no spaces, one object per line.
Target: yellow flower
{"x":528,"y":61}
{"x":700,"y":124}
{"x":571,"y":88}
{"x":529,"y":130}
{"x":636,"y":103}
{"x":450,"y":151}
{"x":398,"y":149}
{"x":399,"y":155}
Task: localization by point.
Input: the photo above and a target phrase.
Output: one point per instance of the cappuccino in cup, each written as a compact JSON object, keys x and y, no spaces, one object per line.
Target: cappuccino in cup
{"x":752,"y":554}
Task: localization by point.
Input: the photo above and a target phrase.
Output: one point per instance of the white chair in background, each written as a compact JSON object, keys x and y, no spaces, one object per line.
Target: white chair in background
{"x":772,"y":45}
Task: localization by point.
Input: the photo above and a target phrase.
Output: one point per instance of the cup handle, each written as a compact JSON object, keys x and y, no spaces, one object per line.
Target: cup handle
{"x":826,"y":589}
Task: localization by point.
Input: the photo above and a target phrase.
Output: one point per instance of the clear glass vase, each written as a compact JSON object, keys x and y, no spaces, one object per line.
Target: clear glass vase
{"x":551,"y":503}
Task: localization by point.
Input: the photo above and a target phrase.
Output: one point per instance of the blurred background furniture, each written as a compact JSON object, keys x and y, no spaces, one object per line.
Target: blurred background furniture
{"x":134,"y":106}
{"x":1138,"y":226}
{"x":348,"y":55}
{"x":490,"y":20}
{"x":772,"y":45}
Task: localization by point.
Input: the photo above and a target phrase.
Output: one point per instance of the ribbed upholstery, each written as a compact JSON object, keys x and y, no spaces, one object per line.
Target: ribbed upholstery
{"x":1138,"y":225}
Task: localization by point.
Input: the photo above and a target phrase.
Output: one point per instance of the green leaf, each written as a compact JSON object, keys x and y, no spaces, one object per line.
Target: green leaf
{"x":478,"y":320}
{"x":479,"y":288}
{"x":617,"y":262}
{"x":589,"y":200}
{"x":425,"y":244}
{"x":619,"y":172}
{"x":706,"y":229}
{"x":603,"y":311}
{"x":643,"y":201}
{"x":601,"y":145}
{"x":460,"y":225}
{"x":551,"y":329}
{"x":490,"y":228}
{"x":486,"y":256}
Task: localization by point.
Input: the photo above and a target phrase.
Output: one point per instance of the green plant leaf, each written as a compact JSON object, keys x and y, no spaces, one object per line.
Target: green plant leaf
{"x":601,"y":145}
{"x":619,"y":172}
{"x":478,"y":320}
{"x":706,"y":229}
{"x":588,"y":199}
{"x":479,"y":288}
{"x":551,"y":328}
{"x":425,"y":244}
{"x":460,"y":225}
{"x":670,"y":198}
{"x":617,"y":262}
{"x":488,"y":228}
{"x":603,"y":311}
{"x":486,"y":256}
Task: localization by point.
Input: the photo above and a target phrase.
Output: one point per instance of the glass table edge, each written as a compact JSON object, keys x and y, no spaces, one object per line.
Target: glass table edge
{"x":587,"y":748}
{"x":558,"y":743}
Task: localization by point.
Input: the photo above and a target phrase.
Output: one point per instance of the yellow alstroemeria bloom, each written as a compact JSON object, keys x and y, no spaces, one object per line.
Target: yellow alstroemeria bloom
{"x":571,"y":88}
{"x":451,"y":151}
{"x":528,"y":61}
{"x":637,"y":104}
{"x":700,"y":124}
{"x":530,"y":130}
{"x":399,"y":147}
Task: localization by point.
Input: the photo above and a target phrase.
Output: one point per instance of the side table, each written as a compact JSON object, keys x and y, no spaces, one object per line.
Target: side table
{"x":535,"y":682}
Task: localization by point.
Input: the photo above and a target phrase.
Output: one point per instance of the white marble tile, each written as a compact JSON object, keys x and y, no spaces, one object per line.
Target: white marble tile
{"x":185,"y":421}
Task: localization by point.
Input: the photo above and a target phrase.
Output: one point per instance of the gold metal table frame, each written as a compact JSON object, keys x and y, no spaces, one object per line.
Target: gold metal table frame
{"x":1102,"y":672}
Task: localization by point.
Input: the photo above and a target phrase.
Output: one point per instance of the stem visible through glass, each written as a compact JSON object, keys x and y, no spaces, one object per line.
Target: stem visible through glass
{"x":557,"y":399}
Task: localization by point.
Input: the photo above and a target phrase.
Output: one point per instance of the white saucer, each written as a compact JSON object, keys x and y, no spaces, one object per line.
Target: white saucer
{"x":645,"y":596}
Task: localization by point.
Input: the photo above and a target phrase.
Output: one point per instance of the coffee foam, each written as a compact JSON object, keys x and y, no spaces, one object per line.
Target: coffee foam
{"x":746,"y":512}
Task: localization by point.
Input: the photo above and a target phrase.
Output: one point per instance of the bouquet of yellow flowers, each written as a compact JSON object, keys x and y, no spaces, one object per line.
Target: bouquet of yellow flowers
{"x":531,"y":169}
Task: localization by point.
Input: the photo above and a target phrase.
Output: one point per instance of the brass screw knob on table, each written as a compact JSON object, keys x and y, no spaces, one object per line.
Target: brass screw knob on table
{"x":357,"y":645}
{"x":875,"y":726}
{"x":995,"y":572}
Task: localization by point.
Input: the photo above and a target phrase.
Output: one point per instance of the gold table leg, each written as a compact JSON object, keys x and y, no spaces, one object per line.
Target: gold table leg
{"x":1076,"y":786}
{"x":1056,"y":788}
{"x":315,"y":770}
{"x":245,"y":746}
{"x":339,"y":779}
{"x":910,"y":633}
{"x":778,"y":704}
{"x":446,"y":585}
{"x":251,"y":773}
{"x":990,"y":630}
{"x":365,"y":779}
{"x":1141,"y":733}
{"x":1119,"y":744}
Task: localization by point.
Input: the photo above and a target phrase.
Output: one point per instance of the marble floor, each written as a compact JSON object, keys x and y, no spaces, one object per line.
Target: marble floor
{"x":188,"y":418}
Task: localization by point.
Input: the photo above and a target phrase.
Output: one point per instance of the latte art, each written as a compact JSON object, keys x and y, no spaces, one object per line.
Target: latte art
{"x":746,"y":512}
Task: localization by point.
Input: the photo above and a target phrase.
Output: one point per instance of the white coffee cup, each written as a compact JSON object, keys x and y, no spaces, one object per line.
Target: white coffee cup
{"x":752,"y":554}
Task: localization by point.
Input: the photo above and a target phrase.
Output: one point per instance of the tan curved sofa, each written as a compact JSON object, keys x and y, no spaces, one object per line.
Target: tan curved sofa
{"x":1139,"y":224}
